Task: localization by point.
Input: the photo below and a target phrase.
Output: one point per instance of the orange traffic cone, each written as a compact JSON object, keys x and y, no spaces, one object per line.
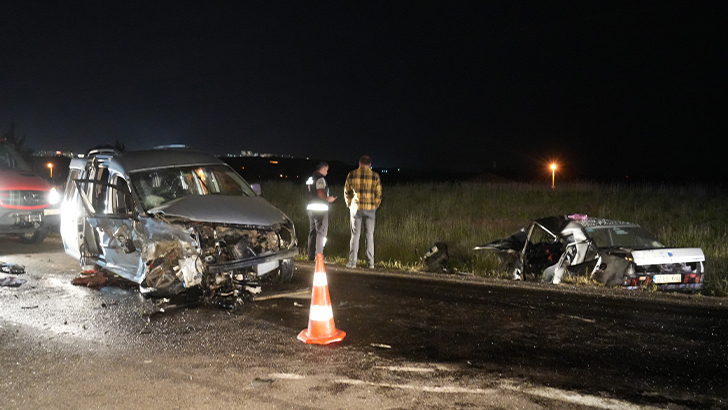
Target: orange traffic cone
{"x":321,"y":329}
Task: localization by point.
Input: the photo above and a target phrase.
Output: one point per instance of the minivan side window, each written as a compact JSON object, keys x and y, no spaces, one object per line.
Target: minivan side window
{"x":98,"y":190}
{"x":120,"y":200}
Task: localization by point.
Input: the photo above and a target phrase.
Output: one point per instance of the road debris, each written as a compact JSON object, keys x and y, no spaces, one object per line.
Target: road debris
{"x":95,"y":280}
{"x":295,"y":294}
{"x":380,"y":345}
{"x":436,"y":259}
{"x":12,"y":282}
{"x":12,"y":268}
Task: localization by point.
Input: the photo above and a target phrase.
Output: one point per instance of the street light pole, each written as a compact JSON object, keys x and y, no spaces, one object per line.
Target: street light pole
{"x":553,"y":175}
{"x":50,"y":165}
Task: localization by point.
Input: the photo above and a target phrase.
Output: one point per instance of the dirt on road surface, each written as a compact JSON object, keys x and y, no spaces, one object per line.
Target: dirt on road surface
{"x":413,"y":342}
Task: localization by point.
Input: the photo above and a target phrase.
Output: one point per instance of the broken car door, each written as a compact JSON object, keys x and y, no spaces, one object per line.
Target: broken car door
{"x":71,"y":215}
{"x":111,"y":214}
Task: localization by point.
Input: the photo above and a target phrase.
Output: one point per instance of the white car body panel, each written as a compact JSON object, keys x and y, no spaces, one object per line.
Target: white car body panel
{"x":667,"y":255}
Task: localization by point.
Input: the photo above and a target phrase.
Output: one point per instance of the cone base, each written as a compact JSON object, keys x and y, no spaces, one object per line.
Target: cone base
{"x":337,"y":336}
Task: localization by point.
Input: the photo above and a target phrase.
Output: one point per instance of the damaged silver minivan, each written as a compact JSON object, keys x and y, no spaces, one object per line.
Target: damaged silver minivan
{"x":173,"y":219}
{"x":614,"y":253}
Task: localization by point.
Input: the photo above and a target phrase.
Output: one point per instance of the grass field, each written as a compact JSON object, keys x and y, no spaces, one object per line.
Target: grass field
{"x":415,"y":216}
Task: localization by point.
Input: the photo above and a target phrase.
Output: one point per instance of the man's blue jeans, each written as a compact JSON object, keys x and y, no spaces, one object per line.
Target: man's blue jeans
{"x":369,"y":218}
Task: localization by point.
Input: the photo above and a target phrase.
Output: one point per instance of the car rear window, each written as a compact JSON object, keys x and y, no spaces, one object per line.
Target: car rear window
{"x":633,"y":237}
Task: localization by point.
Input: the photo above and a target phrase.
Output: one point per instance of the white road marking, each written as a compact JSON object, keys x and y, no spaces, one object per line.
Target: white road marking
{"x":405,"y":369}
{"x":576,"y":398}
{"x":287,"y":376}
{"x":545,"y":392}
{"x":429,"y":389}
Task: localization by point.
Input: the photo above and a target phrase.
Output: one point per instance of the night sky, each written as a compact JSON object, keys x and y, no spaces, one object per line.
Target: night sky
{"x":608,"y":89}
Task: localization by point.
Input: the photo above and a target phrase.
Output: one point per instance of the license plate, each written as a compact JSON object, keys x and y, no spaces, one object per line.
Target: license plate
{"x":677,"y":278}
{"x":51,"y":212}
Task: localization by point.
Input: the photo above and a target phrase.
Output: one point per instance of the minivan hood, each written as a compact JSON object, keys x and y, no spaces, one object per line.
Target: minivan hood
{"x":223,"y":209}
{"x":11,"y":180}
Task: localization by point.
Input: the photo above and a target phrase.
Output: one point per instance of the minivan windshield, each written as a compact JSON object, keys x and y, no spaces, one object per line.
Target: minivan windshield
{"x":159,"y":186}
{"x":9,"y":159}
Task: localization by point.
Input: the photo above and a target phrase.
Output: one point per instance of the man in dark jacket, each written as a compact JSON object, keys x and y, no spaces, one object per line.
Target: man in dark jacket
{"x":318,"y":210}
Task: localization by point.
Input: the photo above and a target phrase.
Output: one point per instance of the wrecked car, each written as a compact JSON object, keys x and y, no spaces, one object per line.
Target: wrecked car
{"x":614,"y":253}
{"x":172,"y":220}
{"x":28,"y":204}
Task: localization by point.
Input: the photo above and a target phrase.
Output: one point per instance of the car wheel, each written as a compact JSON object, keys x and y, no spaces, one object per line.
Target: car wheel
{"x":35,"y":237}
{"x":285,"y":271}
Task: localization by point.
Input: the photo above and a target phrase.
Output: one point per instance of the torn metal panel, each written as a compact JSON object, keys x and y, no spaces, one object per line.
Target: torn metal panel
{"x":170,"y":253}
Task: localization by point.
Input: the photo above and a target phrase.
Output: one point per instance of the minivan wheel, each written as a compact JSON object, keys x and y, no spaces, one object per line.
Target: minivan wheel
{"x":285,"y":271}
{"x":151,"y":292}
{"x":34,"y":237}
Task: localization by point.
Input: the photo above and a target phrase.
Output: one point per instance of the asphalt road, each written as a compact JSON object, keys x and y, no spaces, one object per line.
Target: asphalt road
{"x":414,"y":341}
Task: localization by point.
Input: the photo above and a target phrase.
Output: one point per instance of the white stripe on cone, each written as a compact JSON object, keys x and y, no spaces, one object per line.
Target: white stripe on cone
{"x":319,"y":279}
{"x":321,"y":313}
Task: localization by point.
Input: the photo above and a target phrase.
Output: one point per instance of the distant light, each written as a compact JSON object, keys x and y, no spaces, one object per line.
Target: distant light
{"x":58,"y":153}
{"x":274,"y":162}
{"x":242,"y":167}
{"x":553,"y":167}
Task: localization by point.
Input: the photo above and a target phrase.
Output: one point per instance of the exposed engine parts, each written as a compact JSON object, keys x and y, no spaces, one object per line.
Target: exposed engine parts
{"x":199,"y":254}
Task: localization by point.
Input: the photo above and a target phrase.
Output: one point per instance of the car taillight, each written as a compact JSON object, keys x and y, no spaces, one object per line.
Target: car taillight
{"x":693,"y":278}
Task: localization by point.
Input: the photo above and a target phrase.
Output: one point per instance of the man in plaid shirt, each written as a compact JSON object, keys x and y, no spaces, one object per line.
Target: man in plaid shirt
{"x":363,"y":192}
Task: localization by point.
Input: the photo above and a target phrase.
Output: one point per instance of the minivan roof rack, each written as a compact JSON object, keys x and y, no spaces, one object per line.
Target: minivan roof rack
{"x":103,"y":151}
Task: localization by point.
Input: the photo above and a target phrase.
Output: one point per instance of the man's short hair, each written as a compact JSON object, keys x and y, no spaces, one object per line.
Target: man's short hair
{"x":365,"y":160}
{"x":321,"y":165}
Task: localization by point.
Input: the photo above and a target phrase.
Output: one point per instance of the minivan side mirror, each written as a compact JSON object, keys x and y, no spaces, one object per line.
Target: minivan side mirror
{"x":256,"y":189}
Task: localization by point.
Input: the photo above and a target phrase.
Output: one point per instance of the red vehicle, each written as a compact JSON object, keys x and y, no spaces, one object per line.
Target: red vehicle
{"x":29,"y":206}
